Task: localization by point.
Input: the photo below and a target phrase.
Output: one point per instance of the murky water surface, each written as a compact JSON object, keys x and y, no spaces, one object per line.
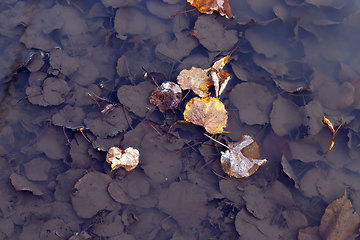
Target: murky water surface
{"x":72,"y":86}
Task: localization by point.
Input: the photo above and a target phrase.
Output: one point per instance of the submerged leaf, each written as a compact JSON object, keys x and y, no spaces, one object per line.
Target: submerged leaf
{"x":340,"y":221}
{"x":242,"y":158}
{"x":208,"y":112}
{"x":196,"y":79}
{"x":213,"y":35}
{"x":20,"y":183}
{"x":127,"y":159}
{"x":209,"y":6}
{"x":167,"y":96}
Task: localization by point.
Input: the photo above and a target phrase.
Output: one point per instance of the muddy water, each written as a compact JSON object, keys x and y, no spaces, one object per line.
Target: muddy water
{"x":72,"y":86}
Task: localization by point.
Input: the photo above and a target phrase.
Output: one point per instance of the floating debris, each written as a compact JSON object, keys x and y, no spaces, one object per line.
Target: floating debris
{"x":127,"y":159}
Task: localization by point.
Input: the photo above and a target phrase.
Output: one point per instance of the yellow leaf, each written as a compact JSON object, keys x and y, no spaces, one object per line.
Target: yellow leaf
{"x":220,"y":64}
{"x":208,"y":112}
{"x":196,"y":79}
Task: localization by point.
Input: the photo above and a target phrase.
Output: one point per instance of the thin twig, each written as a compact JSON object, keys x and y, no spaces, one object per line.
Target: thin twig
{"x":218,"y":141}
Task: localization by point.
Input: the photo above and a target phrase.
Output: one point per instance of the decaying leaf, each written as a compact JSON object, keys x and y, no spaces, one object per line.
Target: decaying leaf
{"x":219,"y":76}
{"x":209,"y":6}
{"x":127,"y":159}
{"x":167,"y":96}
{"x":196,"y":79}
{"x":340,"y":221}
{"x":330,"y":126}
{"x":208,"y":112}
{"x":242,"y":159}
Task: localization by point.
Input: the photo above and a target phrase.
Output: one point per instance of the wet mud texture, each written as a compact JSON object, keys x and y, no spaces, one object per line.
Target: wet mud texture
{"x":72,"y":85}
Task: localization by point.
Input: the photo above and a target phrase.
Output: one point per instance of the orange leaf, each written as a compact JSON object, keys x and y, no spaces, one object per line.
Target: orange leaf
{"x":209,"y":6}
{"x":330,"y":126}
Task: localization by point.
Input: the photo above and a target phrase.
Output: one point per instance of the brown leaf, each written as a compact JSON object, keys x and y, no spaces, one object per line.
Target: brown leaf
{"x":340,"y":221}
{"x":196,"y":79}
{"x":208,"y":112}
{"x":127,"y":159}
{"x":242,"y":159}
{"x":209,"y":6}
{"x":167,"y":96}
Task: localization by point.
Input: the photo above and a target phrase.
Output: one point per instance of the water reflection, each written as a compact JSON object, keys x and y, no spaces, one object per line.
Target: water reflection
{"x":63,"y":62}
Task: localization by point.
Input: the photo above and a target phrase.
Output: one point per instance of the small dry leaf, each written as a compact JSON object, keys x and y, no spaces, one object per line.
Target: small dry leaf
{"x":196,"y":79}
{"x":127,"y":159}
{"x":242,"y":158}
{"x":219,"y":76}
{"x":330,"y":126}
{"x":209,"y":6}
{"x":208,"y":112}
{"x":167,"y":96}
{"x":220,"y":64}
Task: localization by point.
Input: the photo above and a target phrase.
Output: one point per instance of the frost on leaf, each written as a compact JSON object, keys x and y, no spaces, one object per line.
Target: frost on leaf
{"x":209,"y":6}
{"x":127,"y":159}
{"x":196,"y":79}
{"x":167,"y":96}
{"x":242,"y":159}
{"x":208,"y":112}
